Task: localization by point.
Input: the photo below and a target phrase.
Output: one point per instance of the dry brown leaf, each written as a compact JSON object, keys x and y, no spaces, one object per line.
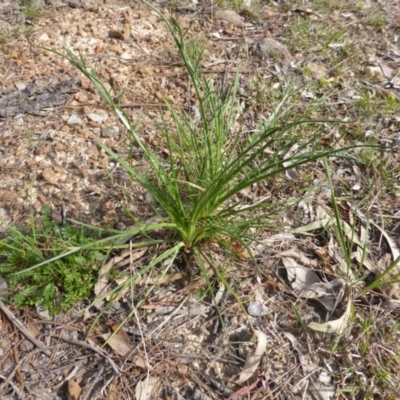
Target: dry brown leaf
{"x":141,"y":362}
{"x":322,"y":253}
{"x":253,"y":360}
{"x":32,"y":328}
{"x":119,"y":342}
{"x":113,"y":392}
{"x":299,"y":276}
{"x":240,"y":250}
{"x":146,"y":388}
{"x":306,"y":283}
{"x":74,"y":390}
{"x":326,"y":223}
{"x":327,"y":293}
{"x":337,"y":326}
{"x":363,"y":259}
{"x":298,"y":255}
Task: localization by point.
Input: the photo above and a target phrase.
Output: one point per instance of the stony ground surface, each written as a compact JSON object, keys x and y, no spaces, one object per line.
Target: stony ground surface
{"x":344,"y":58}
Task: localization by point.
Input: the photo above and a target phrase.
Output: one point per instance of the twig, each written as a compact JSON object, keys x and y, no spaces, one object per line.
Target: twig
{"x":14,"y":387}
{"x":139,"y":105}
{"x":198,"y":395}
{"x":99,"y":375}
{"x":13,"y":319}
{"x":218,"y":385}
{"x":166,"y":320}
{"x":13,"y":372}
{"x":18,"y":369}
{"x":99,"y":351}
{"x":200,"y":357}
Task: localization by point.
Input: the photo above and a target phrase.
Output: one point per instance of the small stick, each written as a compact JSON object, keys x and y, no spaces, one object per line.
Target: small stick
{"x":13,"y":319}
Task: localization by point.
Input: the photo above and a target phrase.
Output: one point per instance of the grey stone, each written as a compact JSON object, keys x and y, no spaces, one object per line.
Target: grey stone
{"x":109,"y":131}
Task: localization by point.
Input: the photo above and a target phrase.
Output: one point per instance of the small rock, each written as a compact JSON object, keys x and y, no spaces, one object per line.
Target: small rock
{"x":307,"y":95}
{"x":120,"y":79}
{"x":44,"y":37}
{"x":9,"y":196}
{"x":87,"y":110}
{"x":20,"y":85}
{"x":26,"y":345}
{"x":120,"y":34}
{"x":116,"y":48}
{"x":93,"y":152}
{"x":74,"y":120}
{"x":81,"y":97}
{"x":317,"y":71}
{"x":97,"y":118}
{"x":75,"y":4}
{"x":229,"y":15}
{"x":109,"y":131}
{"x":258,"y":309}
{"x":42,"y":198}
{"x":50,"y":176}
{"x":42,"y":148}
{"x":85,"y":83}
{"x":391,"y":304}
{"x":269,"y":47}
{"x":374,"y":72}
{"x":45,"y":315}
{"x":121,"y":226}
{"x":59,"y":146}
{"x":194,"y":113}
{"x":56,"y":217}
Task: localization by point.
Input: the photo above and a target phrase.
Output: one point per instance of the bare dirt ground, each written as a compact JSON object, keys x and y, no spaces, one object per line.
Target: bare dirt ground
{"x":343,"y":53}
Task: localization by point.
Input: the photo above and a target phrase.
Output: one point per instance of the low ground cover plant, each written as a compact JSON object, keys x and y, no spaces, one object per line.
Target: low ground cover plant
{"x":55,"y":285}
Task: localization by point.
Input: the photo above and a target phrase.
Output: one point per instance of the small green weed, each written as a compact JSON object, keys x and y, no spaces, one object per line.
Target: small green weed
{"x":327,"y":6}
{"x":304,"y":34}
{"x":32,"y":12}
{"x":376,"y":19}
{"x":7,"y":36}
{"x":372,"y":104}
{"x":57,"y":285}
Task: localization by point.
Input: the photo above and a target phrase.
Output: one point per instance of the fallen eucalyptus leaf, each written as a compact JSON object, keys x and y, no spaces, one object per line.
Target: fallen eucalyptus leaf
{"x":145,"y":389}
{"x":337,"y":326}
{"x":253,"y":360}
